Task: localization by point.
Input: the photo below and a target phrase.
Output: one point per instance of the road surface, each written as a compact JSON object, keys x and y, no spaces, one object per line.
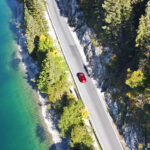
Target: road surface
{"x":99,"y":119}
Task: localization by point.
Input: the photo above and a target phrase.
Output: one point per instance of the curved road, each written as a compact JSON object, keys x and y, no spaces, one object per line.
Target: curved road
{"x":98,"y":116}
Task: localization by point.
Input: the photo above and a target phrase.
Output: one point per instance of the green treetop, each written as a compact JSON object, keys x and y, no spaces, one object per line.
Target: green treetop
{"x":143,"y":32}
{"x":71,"y":116}
{"x":52,"y":80}
{"x":84,"y":137}
{"x":135,"y":78}
{"x":116,"y":13}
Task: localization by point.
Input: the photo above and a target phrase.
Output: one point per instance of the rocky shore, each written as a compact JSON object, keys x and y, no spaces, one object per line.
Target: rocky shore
{"x":29,"y":66}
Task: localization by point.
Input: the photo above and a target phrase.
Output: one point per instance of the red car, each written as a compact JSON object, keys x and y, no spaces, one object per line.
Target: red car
{"x":81,"y":77}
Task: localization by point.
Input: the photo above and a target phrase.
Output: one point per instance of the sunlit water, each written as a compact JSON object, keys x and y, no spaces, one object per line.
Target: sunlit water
{"x":20,"y":123}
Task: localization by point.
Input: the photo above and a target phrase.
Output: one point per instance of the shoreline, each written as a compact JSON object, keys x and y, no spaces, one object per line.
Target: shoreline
{"x":29,"y":67}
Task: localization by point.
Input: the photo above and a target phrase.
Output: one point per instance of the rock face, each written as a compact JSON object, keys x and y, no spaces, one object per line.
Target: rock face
{"x":97,"y":57}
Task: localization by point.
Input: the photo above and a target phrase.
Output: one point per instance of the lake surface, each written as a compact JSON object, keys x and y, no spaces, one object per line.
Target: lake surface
{"x":20,"y":123}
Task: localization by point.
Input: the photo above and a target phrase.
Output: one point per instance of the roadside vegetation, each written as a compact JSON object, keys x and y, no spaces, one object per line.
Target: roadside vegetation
{"x":53,"y":78}
{"x":125,"y":27}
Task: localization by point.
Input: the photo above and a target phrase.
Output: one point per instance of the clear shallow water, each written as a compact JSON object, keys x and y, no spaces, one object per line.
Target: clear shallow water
{"x":20,"y":124}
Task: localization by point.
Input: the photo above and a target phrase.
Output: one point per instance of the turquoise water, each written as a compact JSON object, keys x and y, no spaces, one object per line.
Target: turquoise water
{"x":20,"y":123}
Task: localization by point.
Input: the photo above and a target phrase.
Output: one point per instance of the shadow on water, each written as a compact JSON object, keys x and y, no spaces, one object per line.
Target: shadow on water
{"x":53,"y":147}
{"x":14,"y":63}
{"x":40,"y":132}
{"x":16,"y":26}
{"x":62,"y":145}
{"x":13,"y":21}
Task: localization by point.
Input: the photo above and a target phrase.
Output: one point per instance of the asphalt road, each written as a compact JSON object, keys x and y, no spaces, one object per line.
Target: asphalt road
{"x":99,"y":119}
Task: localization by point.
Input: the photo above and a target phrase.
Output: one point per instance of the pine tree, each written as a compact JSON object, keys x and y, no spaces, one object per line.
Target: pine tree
{"x":31,"y":31}
{"x":143,"y":32}
{"x":116,"y":14}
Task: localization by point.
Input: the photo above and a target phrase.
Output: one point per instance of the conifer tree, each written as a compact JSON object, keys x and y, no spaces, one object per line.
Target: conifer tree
{"x":116,"y":14}
{"x":71,"y":116}
{"x":52,"y":80}
{"x":143,"y":32}
{"x":84,"y":135}
{"x":31,"y":30}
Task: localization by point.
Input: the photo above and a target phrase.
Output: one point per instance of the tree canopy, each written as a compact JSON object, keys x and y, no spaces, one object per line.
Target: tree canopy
{"x":71,"y":116}
{"x":52,"y":79}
